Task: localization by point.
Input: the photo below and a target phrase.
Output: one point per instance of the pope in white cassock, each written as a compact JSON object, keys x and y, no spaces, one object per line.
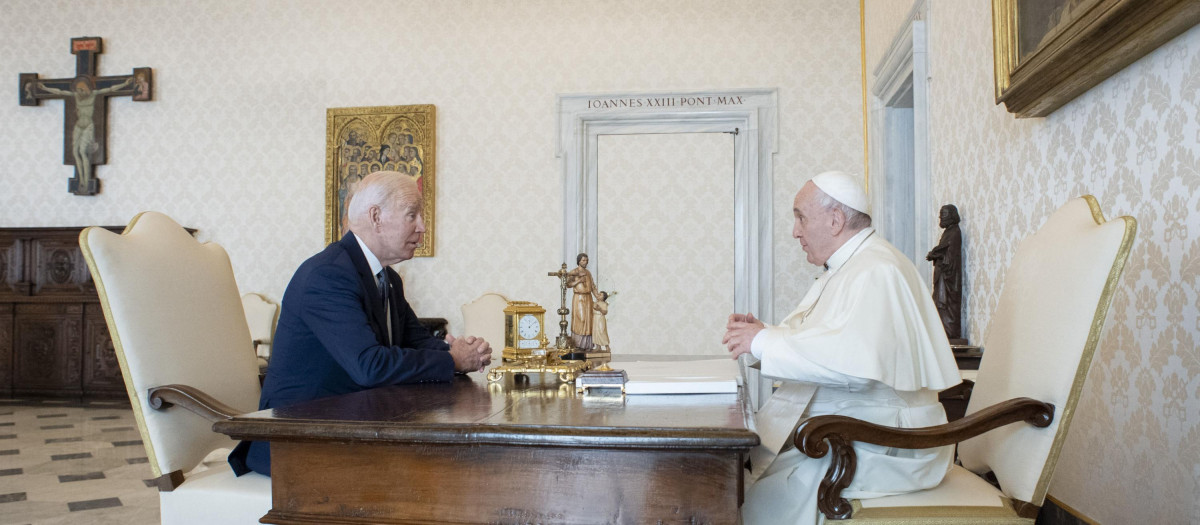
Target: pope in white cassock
{"x":868,"y":335}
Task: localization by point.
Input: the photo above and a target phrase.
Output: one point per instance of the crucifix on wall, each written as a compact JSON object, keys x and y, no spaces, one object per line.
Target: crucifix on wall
{"x":85,"y":98}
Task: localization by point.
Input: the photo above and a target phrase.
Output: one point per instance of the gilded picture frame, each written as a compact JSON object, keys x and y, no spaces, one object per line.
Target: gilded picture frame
{"x":1047,"y":52}
{"x":359,"y":141}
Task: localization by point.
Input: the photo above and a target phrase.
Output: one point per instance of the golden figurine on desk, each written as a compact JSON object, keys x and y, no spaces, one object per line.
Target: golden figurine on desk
{"x":580,"y":280}
{"x":600,"y":322}
{"x":589,"y":326}
{"x":526,"y":347}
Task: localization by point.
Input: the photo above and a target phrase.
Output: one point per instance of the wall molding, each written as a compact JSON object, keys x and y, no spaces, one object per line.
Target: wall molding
{"x":752,"y":113}
{"x":906,"y":57}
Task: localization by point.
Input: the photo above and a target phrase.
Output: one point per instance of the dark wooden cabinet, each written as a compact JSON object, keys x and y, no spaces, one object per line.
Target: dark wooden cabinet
{"x":53,"y":338}
{"x":47,"y":349}
{"x":101,"y":371}
{"x":6,"y":339}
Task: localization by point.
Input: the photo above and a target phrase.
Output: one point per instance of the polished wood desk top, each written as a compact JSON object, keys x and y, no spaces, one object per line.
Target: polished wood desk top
{"x":538,"y":412}
{"x":524,"y":452}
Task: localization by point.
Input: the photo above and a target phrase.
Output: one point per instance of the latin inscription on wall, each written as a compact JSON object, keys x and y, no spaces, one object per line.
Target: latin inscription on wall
{"x":665,"y":102}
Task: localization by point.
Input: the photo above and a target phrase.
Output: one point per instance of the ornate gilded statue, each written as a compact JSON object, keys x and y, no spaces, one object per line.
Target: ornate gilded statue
{"x":600,"y":323}
{"x":580,"y":280}
{"x":947,"y":274}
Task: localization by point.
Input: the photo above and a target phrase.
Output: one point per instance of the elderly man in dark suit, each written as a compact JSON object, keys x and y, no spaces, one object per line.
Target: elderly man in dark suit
{"x":345,"y":325}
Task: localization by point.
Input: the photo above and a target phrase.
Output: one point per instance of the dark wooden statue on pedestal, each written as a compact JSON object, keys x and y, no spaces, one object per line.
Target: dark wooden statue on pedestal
{"x":947,"y":274}
{"x":947,"y":296}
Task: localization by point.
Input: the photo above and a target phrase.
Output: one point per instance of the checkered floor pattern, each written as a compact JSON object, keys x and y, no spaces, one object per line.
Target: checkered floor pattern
{"x":66,"y":462}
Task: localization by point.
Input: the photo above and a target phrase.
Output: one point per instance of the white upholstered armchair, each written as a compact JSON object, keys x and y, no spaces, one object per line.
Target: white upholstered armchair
{"x":178,"y":328}
{"x":484,"y":317}
{"x":1038,"y":350}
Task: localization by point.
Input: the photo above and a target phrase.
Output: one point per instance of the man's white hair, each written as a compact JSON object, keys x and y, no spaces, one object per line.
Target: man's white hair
{"x":855,"y":220}
{"x":390,"y":190}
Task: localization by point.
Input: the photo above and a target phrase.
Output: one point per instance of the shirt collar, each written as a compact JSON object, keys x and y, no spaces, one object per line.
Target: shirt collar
{"x":843,"y":254}
{"x":372,"y":260}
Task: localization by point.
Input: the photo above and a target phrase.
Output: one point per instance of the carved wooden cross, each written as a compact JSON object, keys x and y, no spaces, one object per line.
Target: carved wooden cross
{"x":86,"y":108}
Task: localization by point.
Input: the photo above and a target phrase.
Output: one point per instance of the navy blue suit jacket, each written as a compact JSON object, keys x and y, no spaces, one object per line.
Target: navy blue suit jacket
{"x":332,"y":339}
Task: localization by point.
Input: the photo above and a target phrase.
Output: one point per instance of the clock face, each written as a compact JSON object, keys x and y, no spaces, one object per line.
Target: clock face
{"x":528,"y":327}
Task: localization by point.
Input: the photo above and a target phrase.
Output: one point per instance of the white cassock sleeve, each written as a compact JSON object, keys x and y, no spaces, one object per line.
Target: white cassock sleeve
{"x":807,"y":371}
{"x":867,"y":323}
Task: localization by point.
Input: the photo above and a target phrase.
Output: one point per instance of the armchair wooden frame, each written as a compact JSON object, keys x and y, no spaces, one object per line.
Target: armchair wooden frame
{"x":193,"y":399}
{"x":820,"y":435}
{"x":196,"y":402}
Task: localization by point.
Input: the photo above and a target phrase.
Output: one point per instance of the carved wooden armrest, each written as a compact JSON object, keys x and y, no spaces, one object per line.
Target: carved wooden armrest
{"x":840,"y":432}
{"x":196,"y":401}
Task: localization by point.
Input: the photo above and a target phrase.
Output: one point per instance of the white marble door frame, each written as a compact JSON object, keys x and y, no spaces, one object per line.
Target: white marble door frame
{"x":904,"y":67}
{"x":582,"y":118}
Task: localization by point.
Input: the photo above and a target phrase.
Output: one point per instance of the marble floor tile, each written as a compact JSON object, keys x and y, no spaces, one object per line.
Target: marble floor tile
{"x":66,"y":462}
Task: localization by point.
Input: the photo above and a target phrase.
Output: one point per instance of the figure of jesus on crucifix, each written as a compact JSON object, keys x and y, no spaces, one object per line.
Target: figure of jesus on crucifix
{"x":83,"y":138}
{"x":85,"y":107}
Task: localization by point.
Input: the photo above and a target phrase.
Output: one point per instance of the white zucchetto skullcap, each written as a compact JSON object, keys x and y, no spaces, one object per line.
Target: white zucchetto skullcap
{"x":844,"y":188}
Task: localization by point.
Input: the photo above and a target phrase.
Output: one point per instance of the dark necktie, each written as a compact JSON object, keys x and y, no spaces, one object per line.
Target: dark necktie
{"x":381,"y":280}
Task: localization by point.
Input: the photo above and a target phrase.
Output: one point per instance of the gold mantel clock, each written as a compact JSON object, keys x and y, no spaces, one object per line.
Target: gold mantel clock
{"x":526,"y":348}
{"x":524,"y":329}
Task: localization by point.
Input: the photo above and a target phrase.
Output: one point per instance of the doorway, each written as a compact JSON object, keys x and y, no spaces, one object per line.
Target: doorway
{"x":665,"y":218}
{"x":900,"y":183}
{"x":750,"y":116}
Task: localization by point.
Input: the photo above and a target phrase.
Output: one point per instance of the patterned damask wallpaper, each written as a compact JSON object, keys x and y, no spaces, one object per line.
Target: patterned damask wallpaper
{"x":883,"y":19}
{"x":233,"y":143}
{"x":1133,"y":453}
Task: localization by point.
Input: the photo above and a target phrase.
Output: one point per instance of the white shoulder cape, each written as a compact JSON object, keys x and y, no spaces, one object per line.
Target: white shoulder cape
{"x":871,"y":317}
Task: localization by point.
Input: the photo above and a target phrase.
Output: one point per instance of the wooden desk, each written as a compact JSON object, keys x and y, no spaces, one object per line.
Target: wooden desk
{"x":470,"y":452}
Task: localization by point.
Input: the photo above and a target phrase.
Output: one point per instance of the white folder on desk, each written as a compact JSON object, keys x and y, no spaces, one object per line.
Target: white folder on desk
{"x":709,"y":376}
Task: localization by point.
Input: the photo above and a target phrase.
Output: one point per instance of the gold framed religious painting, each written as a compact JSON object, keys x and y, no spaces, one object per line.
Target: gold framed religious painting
{"x":360,"y":141}
{"x":1047,"y":52}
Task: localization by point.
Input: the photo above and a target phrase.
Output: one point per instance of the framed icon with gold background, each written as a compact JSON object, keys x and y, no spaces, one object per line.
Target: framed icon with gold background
{"x":360,"y":141}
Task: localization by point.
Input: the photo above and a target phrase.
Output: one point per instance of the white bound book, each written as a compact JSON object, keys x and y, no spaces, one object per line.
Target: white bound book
{"x":709,"y":376}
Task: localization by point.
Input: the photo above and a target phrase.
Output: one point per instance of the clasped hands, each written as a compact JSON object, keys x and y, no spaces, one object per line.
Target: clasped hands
{"x":470,"y":353}
{"x":740,"y":332}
